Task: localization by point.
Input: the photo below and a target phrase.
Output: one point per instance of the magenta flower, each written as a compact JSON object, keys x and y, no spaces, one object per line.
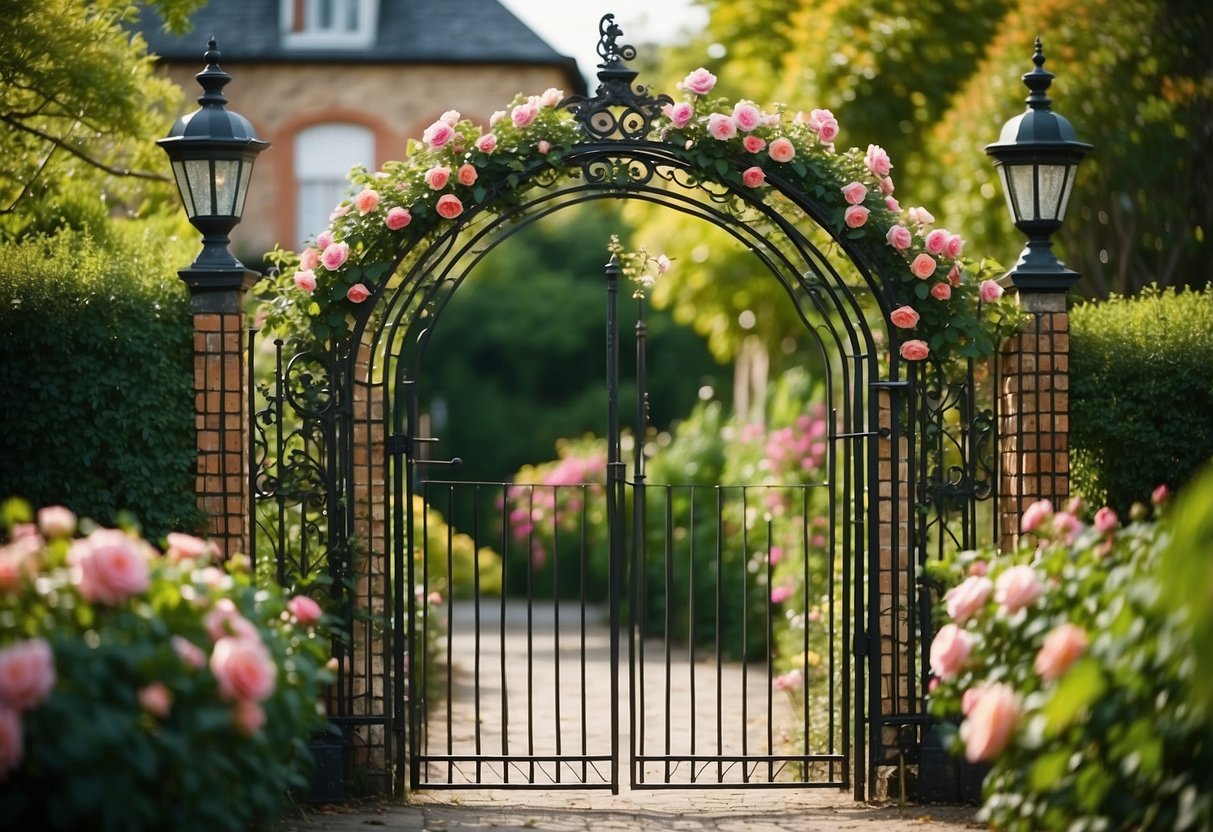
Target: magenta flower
{"x":305,"y":610}
{"x":829,"y":131}
{"x":886,"y":185}
{"x":892,"y":204}
{"x":680,"y":114}
{"x":110,"y":566}
{"x":324,"y":239}
{"x":782,"y":593}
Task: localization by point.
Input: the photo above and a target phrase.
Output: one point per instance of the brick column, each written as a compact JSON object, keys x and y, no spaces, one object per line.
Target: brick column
{"x":1034,"y":412}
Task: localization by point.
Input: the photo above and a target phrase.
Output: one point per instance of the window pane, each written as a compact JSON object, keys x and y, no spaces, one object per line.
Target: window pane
{"x":324,"y":155}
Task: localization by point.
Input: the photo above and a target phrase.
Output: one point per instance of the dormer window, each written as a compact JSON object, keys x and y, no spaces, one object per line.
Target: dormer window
{"x":334,"y":24}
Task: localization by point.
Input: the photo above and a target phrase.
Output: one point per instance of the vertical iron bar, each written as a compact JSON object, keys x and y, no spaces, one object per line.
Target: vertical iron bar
{"x":808,"y":595}
{"x":669,"y":619}
{"x":404,"y":601}
{"x":614,"y":473}
{"x":639,"y":561}
{"x":450,"y":629}
{"x":279,"y":455}
{"x":719,"y":617}
{"x":770,"y":637}
{"x":251,"y":404}
{"x":691,"y":612}
{"x":556,"y":623}
{"x":583,"y":561}
{"x":530,"y":651}
{"x":745,"y":633}
{"x":501,"y":629}
{"x":476,"y":632}
{"x":505,"y":559}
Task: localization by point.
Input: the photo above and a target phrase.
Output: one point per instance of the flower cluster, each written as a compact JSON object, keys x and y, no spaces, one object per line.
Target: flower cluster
{"x":550,"y":497}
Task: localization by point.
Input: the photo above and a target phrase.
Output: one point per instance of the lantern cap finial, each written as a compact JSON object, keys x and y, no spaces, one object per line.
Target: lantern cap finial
{"x":212,"y":78}
{"x":1038,"y":80}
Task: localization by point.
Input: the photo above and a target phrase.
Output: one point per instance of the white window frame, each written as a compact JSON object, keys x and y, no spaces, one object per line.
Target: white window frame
{"x":323,"y":158}
{"x":309,"y":35}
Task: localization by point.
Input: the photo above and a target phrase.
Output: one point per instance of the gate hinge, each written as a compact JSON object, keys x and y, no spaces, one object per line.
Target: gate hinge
{"x":397,"y":444}
{"x":859,"y":644}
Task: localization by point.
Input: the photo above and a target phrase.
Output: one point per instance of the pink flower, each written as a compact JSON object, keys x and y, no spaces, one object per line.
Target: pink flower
{"x":450,"y":117}
{"x":309,"y":258}
{"x":1061,"y":648}
{"x":340,"y":211}
{"x":18,"y":560}
{"x":544,"y":146}
{"x":467,"y":175}
{"x":886,"y":185}
{"x":449,"y":206}
{"x":782,"y":150}
{"x":721,"y":127}
{"x":950,"y":650}
{"x":936,"y":240}
{"x":12,"y":744}
{"x":680,"y":114}
{"x":551,"y":97}
{"x":523,"y":114}
{"x":914,"y":350}
{"x":877,"y":160}
{"x":224,"y":619}
{"x":248,"y":717}
{"x":828,"y":131}
{"x":747,"y":116}
{"x":186,"y":546}
{"x":753,"y":177}
{"x":437,"y":177}
{"x":156,"y":699}
{"x":954,"y":275}
{"x":1066,"y":526}
{"x":987,"y":729}
{"x":1106,"y":520}
{"x":1017,"y":587}
{"x":243,"y":668}
{"x":899,"y":237}
{"x":398,"y":218}
{"x":923,"y":266}
{"x":27,"y":674}
{"x":854,"y":193}
{"x":438,"y":134}
{"x":904,"y":317}
{"x":968,"y":597}
{"x":305,"y":280}
{"x":1035,"y":514}
{"x":921,"y":216}
{"x":1160,"y":495}
{"x":305,"y":610}
{"x":357,"y":293}
{"x":496,"y":117}
{"x":979,"y":568}
{"x":855,"y":216}
{"x":486,"y":143}
{"x":989,"y":291}
{"x":954,"y":246}
{"x":335,"y":255}
{"x":189,"y":653}
{"x":892,"y":204}
{"x":792,"y":680}
{"x":56,"y":521}
{"x":324,"y":239}
{"x":753,"y":144}
{"x":699,"y":82}
{"x":970,"y":698}
{"x":366,"y":201}
{"x":109,"y":566}
{"x":782,"y":593}
{"x":775,"y":555}
{"x":941,"y":291}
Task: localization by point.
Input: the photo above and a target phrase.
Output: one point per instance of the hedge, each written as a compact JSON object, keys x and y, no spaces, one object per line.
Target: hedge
{"x":1141,"y":393}
{"x":96,"y":375}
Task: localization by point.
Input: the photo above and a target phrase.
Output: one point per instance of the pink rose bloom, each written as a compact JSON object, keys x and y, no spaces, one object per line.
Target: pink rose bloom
{"x":27,"y":674}
{"x":305,"y":280}
{"x":56,"y":521}
{"x":816,"y":118}
{"x":1061,"y":648}
{"x":366,"y":201}
{"x":979,"y":568}
{"x":186,"y":546}
{"x":892,"y":204}
{"x":941,"y":291}
{"x":335,"y":255}
{"x":854,"y":193}
{"x":305,"y":610}
{"x":775,"y":555}
{"x":721,"y":127}
{"x":309,"y":258}
{"x":544,"y":146}
{"x":1035,"y":514}
{"x":155,"y":699}
{"x":551,"y":97}
{"x":324,"y":239}
{"x":12,"y":743}
{"x":987,"y":729}
{"x":968,"y":597}
{"x":792,"y":680}
{"x":886,"y":185}
{"x":449,"y":206}
{"x":1066,"y":526}
{"x":753,"y":177}
{"x":904,"y":317}
{"x":914,"y":350}
{"x":747,"y":116}
{"x":190,"y":654}
{"x":523,"y":114}
{"x":248,"y":716}
{"x":224,"y":620}
{"x":18,"y":560}
{"x":782,"y":593}
{"x":437,"y":177}
{"x":467,"y":174}
{"x":829,"y":131}
{"x":970,"y":698}
{"x":877,"y":160}
{"x":243,"y":668}
{"x":989,"y":291}
{"x":782,"y":150}
{"x":950,"y":650}
{"x":681,"y":114}
{"x":486,"y":143}
{"x":753,"y":144}
{"x":699,"y":82}
{"x":855,"y":216}
{"x":936,"y":241}
{"x":921,"y":216}
{"x":1017,"y":587}
{"x":1160,"y":495}
{"x":398,"y":218}
{"x":497,"y":116}
{"x":109,"y":566}
{"x":923,"y":266}
{"x":357,"y":293}
{"x":1106,"y":520}
{"x":899,"y":237}
{"x":438,"y":134}
{"x":450,"y":117}
{"x":954,"y":246}
{"x":954,"y":275}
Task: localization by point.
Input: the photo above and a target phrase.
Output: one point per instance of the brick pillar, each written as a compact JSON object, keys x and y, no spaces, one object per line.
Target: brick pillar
{"x":1034,"y":412}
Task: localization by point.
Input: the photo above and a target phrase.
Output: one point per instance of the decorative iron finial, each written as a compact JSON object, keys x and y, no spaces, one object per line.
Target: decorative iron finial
{"x":609,"y":49}
{"x":212,"y":78}
{"x":1038,"y":81}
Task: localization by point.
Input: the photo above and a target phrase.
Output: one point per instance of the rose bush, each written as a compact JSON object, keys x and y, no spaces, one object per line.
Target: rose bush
{"x":1072,"y":675}
{"x":147,"y":691}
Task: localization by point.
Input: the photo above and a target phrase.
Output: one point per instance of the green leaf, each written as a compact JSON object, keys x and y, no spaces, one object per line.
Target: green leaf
{"x":1079,"y":688}
{"x":1048,"y":770}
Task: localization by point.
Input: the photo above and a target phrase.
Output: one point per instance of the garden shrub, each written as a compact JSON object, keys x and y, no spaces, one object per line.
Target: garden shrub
{"x":1141,"y":393}
{"x":97,"y":374}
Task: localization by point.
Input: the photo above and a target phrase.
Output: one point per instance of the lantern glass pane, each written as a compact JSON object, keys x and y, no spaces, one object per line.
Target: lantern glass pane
{"x":183,"y":186}
{"x":246,"y":172}
{"x":198,"y":171}
{"x":227,"y":186}
{"x":1066,"y":190}
{"x":1052,"y":190}
{"x":1004,"y":174}
{"x":1021,"y":182}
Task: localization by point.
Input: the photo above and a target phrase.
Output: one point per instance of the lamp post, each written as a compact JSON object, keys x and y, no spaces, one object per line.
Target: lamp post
{"x":1037,"y":156}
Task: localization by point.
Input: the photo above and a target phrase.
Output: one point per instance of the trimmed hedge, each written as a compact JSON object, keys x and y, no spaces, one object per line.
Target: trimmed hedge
{"x":96,"y":375}
{"x":1141,"y":393}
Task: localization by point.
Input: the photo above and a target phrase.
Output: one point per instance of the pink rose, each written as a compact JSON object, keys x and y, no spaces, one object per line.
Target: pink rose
{"x":305,"y":280}
{"x":305,"y":610}
{"x":398,"y":218}
{"x":486,"y":143}
{"x":782,"y":150}
{"x":248,"y":717}
{"x":18,"y":560}
{"x":782,"y":593}
{"x":979,"y":568}
{"x":1035,"y":514}
{"x":438,"y":134}
{"x":989,"y":291}
{"x":877,"y":160}
{"x":681,"y":114}
{"x":1017,"y":587}
{"x":243,"y":668}
{"x":366,"y":201}
{"x":109,"y":566}
{"x":155,"y":699}
{"x":828,"y":131}
{"x":854,"y":193}
{"x":970,"y":698}
{"x":450,"y":117}
{"x":954,"y":246}
{"x":954,"y":275}
{"x":190,"y":654}
{"x":186,"y":546}
{"x":855,"y":216}
{"x":1066,"y":526}
{"x":496,"y":117}
{"x":747,"y":116}
{"x":357,"y":293}
{"x":950,"y":650}
{"x":551,"y":97}
{"x":753,"y":177}
{"x":904,"y":317}
{"x":899,"y":237}
{"x":968,"y":597}
{"x":467,"y":174}
{"x":12,"y":743}
{"x":340,"y":211}
{"x":792,"y":680}
{"x":449,"y":206}
{"x":886,"y":185}
{"x":324,"y":239}
{"x":753,"y":144}
{"x":309,"y":258}
{"x":721,"y":127}
{"x":915,"y":350}
{"x":892,"y":204}
{"x":544,"y":146}
{"x":987,"y":729}
{"x":523,"y":114}
{"x":941,"y":291}
{"x":335,"y":255}
{"x":224,"y":620}
{"x":1061,"y":648}
{"x":437,"y":177}
{"x":56,"y":521}
{"x":921,"y":216}
{"x":699,"y":82}
{"x":1160,"y":495}
{"x":27,"y":674}
{"x":1106,"y":520}
{"x":936,"y":240}
{"x":923,"y":266}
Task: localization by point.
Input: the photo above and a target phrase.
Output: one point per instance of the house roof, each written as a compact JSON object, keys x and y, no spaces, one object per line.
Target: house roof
{"x":409,"y":31}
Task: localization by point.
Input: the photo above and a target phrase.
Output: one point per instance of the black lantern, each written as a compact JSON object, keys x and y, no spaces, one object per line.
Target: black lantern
{"x":1037,"y":157}
{"x":212,"y":151}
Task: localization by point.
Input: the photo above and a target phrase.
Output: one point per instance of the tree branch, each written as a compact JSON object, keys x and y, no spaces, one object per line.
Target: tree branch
{"x":81,"y":154}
